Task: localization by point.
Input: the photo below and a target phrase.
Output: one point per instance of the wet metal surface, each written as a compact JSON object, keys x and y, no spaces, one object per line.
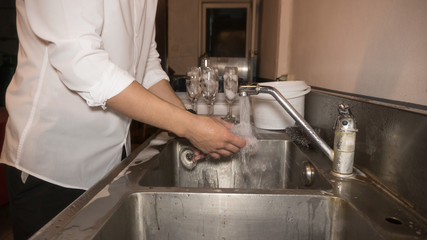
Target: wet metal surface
{"x":150,"y":197}
{"x":278,"y":164}
{"x":391,"y":143}
{"x":234,"y":216}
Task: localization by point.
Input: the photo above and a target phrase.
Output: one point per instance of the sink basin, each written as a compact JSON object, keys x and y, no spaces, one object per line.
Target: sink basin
{"x":278,"y":164}
{"x":235,"y":216}
{"x":283,"y":192}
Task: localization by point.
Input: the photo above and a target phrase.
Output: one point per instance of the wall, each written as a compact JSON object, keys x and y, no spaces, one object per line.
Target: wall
{"x":183,"y":34}
{"x":370,"y":47}
{"x":284,"y":44}
{"x":268,"y":39}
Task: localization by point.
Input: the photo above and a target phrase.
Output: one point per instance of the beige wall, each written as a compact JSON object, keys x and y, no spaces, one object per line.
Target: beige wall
{"x":183,"y":34}
{"x":285,"y":28}
{"x":370,"y":47}
{"x":269,"y":39}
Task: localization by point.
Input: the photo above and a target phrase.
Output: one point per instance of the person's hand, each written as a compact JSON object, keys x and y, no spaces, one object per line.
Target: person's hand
{"x":198,"y":155}
{"x":212,"y":136}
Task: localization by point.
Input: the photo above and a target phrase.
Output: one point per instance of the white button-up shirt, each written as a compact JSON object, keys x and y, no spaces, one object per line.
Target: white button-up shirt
{"x":73,"y":56}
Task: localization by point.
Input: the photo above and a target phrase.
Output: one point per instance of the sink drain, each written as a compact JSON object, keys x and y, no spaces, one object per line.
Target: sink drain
{"x":186,"y":157}
{"x":394,"y":220}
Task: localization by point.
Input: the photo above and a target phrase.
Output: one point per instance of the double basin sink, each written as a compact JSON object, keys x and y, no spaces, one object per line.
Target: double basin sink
{"x":280,"y":192}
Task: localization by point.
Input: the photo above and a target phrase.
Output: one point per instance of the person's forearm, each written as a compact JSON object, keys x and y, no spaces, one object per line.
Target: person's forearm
{"x":164,"y":91}
{"x":209,"y":135}
{"x":140,"y":104}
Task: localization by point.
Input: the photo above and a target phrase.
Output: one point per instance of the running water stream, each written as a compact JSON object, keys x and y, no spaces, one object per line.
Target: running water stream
{"x":244,"y":130}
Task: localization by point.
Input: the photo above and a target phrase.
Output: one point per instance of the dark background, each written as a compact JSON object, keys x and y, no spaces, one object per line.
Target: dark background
{"x":8,"y":45}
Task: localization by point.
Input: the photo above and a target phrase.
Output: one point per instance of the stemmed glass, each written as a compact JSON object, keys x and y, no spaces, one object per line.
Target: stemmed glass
{"x":209,"y":82}
{"x":192,"y":83}
{"x":231,"y":82}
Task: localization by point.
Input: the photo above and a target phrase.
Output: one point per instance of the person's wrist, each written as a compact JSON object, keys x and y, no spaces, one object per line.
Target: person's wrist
{"x":185,"y":123}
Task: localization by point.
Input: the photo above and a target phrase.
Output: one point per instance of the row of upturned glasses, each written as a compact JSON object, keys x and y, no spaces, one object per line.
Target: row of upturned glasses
{"x":204,"y":81}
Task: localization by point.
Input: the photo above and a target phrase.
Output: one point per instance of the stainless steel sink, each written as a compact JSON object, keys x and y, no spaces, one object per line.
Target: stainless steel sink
{"x":287,"y":193}
{"x":236,"y":216}
{"x":278,"y":164}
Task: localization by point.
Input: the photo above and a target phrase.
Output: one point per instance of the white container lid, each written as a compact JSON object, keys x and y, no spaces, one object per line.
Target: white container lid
{"x":289,"y":89}
{"x":269,"y":114}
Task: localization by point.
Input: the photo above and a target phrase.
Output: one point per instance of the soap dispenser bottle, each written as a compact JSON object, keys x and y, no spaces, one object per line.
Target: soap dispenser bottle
{"x":344,"y":141}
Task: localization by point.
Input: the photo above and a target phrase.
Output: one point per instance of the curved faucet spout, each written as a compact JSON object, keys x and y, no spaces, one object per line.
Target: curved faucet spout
{"x":256,"y":89}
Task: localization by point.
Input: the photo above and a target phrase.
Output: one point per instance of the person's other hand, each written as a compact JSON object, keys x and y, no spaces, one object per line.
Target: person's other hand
{"x":198,"y":155}
{"x":213,"y":136}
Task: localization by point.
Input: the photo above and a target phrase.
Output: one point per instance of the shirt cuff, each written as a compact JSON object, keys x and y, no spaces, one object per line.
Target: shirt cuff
{"x":104,"y":90}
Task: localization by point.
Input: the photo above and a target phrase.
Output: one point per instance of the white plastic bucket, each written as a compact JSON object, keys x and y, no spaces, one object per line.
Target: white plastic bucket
{"x":267,"y":112}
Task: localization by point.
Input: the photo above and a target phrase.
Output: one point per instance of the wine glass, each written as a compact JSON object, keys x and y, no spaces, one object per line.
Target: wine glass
{"x":192,"y":84}
{"x":209,"y":82}
{"x":231,"y":82}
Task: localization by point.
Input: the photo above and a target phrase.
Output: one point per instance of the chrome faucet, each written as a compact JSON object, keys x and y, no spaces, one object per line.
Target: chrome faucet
{"x":344,"y":141}
{"x":255,"y":89}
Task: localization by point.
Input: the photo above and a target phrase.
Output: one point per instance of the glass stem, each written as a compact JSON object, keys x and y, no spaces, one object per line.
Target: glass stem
{"x":229,"y":110}
{"x":195,"y":105}
{"x":210,"y":109}
{"x":192,"y":105}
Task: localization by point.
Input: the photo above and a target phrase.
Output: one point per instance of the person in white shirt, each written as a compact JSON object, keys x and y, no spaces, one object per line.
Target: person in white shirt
{"x":85,"y":69}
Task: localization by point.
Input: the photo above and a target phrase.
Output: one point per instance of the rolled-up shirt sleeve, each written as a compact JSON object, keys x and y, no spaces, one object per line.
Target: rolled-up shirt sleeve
{"x":72,"y":31}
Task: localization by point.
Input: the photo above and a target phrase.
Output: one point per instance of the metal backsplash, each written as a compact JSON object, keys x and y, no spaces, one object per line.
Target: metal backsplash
{"x":391,"y":144}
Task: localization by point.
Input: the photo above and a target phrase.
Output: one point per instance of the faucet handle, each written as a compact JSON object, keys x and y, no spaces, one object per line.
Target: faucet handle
{"x":345,"y":120}
{"x":344,"y":109}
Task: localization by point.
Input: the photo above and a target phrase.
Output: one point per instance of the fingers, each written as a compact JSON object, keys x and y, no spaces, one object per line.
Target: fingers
{"x":228,"y":148}
{"x":232,"y":148}
{"x":238,"y":141}
{"x":235,"y":140}
{"x":225,"y":152}
{"x":213,"y":137}
{"x":198,"y":155}
{"x":214,"y":155}
{"x":226,"y":124}
{"x":231,"y":144}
